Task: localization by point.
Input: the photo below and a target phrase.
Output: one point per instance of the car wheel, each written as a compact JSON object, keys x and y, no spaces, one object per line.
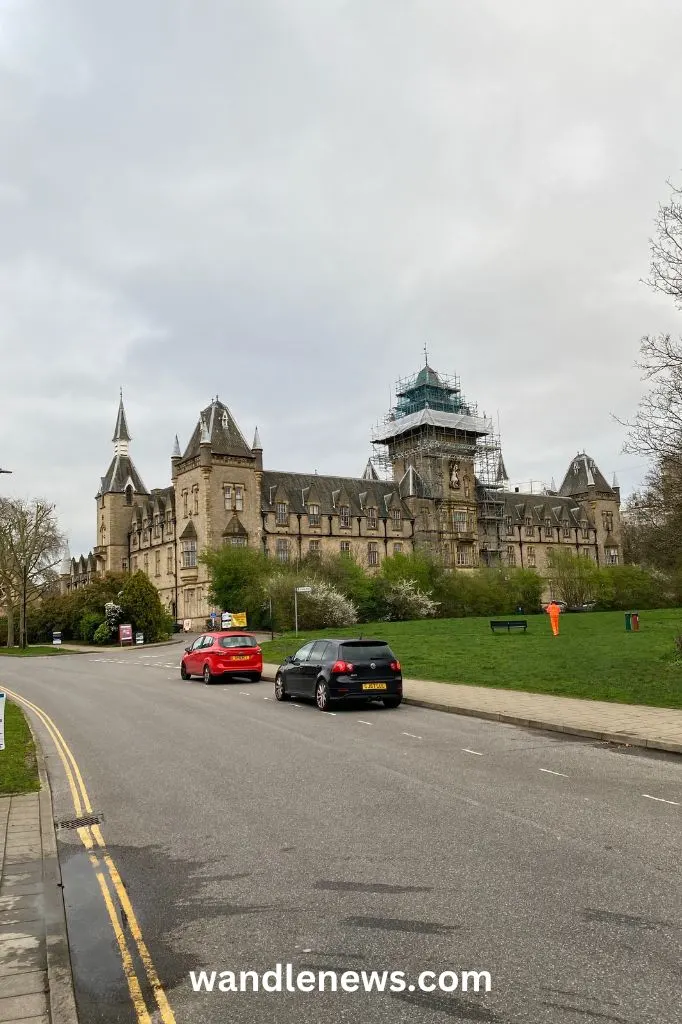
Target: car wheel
{"x":280,"y":692}
{"x":392,"y":702}
{"x":208,"y":678}
{"x":184,"y":674}
{"x":255,"y":677}
{"x":322,"y":695}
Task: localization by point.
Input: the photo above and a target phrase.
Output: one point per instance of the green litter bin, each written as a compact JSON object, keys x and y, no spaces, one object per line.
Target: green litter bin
{"x":628,"y":622}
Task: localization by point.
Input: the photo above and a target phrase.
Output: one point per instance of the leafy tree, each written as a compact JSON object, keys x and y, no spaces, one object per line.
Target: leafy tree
{"x":350,"y":579}
{"x":142,"y":607}
{"x":237,"y":576}
{"x":574,"y":578}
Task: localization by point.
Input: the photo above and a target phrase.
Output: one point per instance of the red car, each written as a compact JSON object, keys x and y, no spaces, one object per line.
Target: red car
{"x":223,"y":654}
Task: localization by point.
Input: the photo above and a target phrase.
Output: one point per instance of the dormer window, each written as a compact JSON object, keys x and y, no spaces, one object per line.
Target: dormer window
{"x":529,"y":526}
{"x":371,"y":519}
{"x":567,"y":530}
{"x":314,"y":515}
{"x":548,"y":527}
{"x":344,"y":515}
{"x":584,"y":529}
{"x":397,"y":518}
{"x":281,"y":513}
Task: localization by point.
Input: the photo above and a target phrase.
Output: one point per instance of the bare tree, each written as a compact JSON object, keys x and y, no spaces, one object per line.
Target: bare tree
{"x":666,"y":248}
{"x":30,"y":543}
{"x":656,"y":430}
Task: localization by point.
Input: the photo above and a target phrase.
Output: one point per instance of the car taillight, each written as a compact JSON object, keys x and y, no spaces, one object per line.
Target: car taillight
{"x":344,"y":667}
{"x":395,"y":665}
{"x":257,"y":650}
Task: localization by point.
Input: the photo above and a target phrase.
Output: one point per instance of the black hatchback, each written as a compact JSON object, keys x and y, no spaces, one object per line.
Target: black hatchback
{"x":341,"y":670}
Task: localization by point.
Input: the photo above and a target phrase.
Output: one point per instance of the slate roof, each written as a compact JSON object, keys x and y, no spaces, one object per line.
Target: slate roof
{"x":120,"y":473}
{"x":538,"y":507}
{"x":222,"y":431}
{"x":329,"y":492}
{"x":161,"y":499}
{"x":583,"y":474}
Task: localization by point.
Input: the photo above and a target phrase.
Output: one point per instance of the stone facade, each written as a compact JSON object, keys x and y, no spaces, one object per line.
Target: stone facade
{"x":434,"y":500}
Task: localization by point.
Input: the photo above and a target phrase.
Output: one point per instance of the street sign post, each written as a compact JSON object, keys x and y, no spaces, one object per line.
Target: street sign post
{"x":2,"y":721}
{"x":297,"y":591}
{"x":56,"y":638}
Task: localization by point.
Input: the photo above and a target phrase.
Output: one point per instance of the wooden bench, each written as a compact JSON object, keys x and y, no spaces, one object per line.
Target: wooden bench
{"x":508,"y":624}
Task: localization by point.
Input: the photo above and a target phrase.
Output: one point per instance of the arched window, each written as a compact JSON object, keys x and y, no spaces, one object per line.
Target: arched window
{"x":129,"y":494}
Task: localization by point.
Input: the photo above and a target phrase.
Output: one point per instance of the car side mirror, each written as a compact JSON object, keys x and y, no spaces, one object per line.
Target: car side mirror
{"x":187,"y":650}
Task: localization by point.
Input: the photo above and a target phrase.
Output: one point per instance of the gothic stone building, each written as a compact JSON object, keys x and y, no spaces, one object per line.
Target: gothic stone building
{"x":437,"y":495}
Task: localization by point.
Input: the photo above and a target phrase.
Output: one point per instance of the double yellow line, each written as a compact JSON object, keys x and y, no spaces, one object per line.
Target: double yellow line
{"x":108,"y":879}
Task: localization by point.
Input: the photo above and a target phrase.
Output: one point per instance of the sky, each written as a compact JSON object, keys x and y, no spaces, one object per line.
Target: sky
{"x":281,"y":202}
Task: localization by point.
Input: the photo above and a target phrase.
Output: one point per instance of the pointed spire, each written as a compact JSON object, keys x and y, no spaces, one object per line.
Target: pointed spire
{"x":176,"y":449}
{"x":502,"y":475}
{"x":370,"y":472}
{"x":205,"y":437}
{"x":256,"y":446}
{"x":615,"y":482}
{"x":121,"y":433}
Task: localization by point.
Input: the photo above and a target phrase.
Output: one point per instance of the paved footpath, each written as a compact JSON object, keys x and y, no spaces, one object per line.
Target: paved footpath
{"x":634,"y":724}
{"x":35,"y":969}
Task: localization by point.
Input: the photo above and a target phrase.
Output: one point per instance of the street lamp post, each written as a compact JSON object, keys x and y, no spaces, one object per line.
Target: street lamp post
{"x":297,"y":591}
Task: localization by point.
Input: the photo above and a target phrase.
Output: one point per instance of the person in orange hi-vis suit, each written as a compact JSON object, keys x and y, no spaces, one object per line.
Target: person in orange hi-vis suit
{"x":554,"y":611}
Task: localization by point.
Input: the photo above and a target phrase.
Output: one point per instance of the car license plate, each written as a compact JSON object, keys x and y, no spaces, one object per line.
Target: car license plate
{"x":374,"y":686}
{"x":241,"y":657}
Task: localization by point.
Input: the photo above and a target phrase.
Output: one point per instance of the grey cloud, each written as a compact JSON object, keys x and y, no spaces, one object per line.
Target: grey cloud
{"x":280,"y":201}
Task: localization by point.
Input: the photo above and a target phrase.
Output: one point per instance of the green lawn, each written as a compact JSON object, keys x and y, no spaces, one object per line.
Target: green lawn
{"x":18,"y":769}
{"x":30,"y":652}
{"x":592,"y":657}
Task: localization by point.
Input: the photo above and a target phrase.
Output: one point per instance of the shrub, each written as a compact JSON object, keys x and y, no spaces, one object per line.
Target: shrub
{"x":401,"y":599}
{"x":89,"y":625}
{"x":102,"y":634}
{"x":113,"y":614}
{"x":323,"y":606}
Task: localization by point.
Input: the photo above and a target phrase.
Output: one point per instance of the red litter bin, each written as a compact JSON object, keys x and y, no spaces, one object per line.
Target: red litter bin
{"x":635,"y":622}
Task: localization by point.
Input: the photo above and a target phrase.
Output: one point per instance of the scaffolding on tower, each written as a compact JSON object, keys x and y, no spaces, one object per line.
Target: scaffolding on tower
{"x":431,"y":420}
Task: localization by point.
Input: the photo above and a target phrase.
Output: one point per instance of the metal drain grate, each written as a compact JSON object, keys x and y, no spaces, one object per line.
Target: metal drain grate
{"x":88,"y":819}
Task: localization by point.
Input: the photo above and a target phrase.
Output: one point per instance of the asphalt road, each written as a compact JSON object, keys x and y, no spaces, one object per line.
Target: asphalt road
{"x":249,"y":833}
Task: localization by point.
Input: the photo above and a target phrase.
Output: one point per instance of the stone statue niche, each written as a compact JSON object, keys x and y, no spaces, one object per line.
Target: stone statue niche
{"x":453,"y":470}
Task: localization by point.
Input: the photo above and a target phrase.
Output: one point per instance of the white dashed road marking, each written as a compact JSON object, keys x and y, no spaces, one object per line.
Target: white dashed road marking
{"x":244,"y":693}
{"x":363,"y":722}
{"x":412,"y":735}
{"x":660,"y":800}
{"x":476,"y":752}
{"x":549,"y":772}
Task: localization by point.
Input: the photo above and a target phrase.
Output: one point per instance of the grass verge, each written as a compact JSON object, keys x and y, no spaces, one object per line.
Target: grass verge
{"x":39,"y":651}
{"x":18,"y":765}
{"x":593,"y":657}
